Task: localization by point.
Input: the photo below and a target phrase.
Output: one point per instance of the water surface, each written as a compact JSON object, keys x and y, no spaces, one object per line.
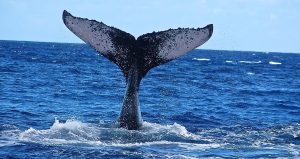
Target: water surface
{"x":61,"y":101}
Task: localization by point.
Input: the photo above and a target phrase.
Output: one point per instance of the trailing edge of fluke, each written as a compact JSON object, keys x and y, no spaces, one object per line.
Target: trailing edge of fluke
{"x":135,"y":57}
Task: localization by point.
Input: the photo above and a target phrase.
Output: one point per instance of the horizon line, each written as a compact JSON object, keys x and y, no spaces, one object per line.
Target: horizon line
{"x":254,"y":51}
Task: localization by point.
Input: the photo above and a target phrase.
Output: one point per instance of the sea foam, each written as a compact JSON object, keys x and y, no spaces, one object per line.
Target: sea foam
{"x":201,"y":59}
{"x":250,"y":62}
{"x":76,"y":132}
{"x":274,"y":63}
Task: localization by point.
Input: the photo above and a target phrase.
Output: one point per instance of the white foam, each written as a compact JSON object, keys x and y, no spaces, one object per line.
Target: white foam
{"x":174,"y":128}
{"x":192,"y":146}
{"x":70,"y":124}
{"x":9,"y":137}
{"x":228,"y":61}
{"x":201,"y":59}
{"x":274,"y":63}
{"x":189,"y":146}
{"x":9,"y":143}
{"x":250,"y":73}
{"x":294,"y":149}
{"x":250,"y":62}
{"x":168,"y":136}
{"x":74,"y":132}
{"x":179,"y":157}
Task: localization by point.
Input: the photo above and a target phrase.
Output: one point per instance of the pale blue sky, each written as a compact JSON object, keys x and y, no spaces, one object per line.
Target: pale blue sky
{"x":254,"y":25}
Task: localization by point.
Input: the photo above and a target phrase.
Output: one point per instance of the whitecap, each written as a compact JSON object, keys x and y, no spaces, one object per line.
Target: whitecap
{"x":201,"y":59}
{"x":250,"y":73}
{"x":192,"y":146}
{"x":250,"y":62}
{"x":179,"y":156}
{"x":228,"y":61}
{"x":274,"y":63}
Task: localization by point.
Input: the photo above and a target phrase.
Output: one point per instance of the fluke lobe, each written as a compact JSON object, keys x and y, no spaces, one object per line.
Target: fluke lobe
{"x":135,"y":57}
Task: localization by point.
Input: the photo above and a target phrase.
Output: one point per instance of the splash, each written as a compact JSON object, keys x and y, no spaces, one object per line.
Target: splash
{"x":70,"y":124}
{"x":175,"y":129}
{"x":72,"y":131}
{"x":8,"y":135}
{"x":76,"y":132}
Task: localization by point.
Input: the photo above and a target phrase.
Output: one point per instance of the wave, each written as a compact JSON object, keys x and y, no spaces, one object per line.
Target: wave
{"x":278,"y":138}
{"x":201,"y":59}
{"x":250,"y":62}
{"x":76,"y":132}
{"x":274,"y":63}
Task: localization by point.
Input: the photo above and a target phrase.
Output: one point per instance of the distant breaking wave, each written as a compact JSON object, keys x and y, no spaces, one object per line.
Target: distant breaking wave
{"x":274,"y":63}
{"x":250,"y":62}
{"x":201,"y":59}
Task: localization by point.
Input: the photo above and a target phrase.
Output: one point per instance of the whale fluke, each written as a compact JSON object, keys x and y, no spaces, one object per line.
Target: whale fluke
{"x":135,"y":57}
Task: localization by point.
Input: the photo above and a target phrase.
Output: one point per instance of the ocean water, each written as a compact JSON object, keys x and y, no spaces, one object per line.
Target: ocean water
{"x":61,"y":101}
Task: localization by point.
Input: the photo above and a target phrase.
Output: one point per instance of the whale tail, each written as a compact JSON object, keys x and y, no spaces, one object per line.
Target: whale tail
{"x":135,"y":57}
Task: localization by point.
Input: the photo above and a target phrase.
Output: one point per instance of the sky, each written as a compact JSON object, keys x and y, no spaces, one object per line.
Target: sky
{"x":247,"y":25}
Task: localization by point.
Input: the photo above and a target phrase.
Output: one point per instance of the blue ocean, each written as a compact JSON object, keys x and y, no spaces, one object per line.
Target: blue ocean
{"x":61,"y":100}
